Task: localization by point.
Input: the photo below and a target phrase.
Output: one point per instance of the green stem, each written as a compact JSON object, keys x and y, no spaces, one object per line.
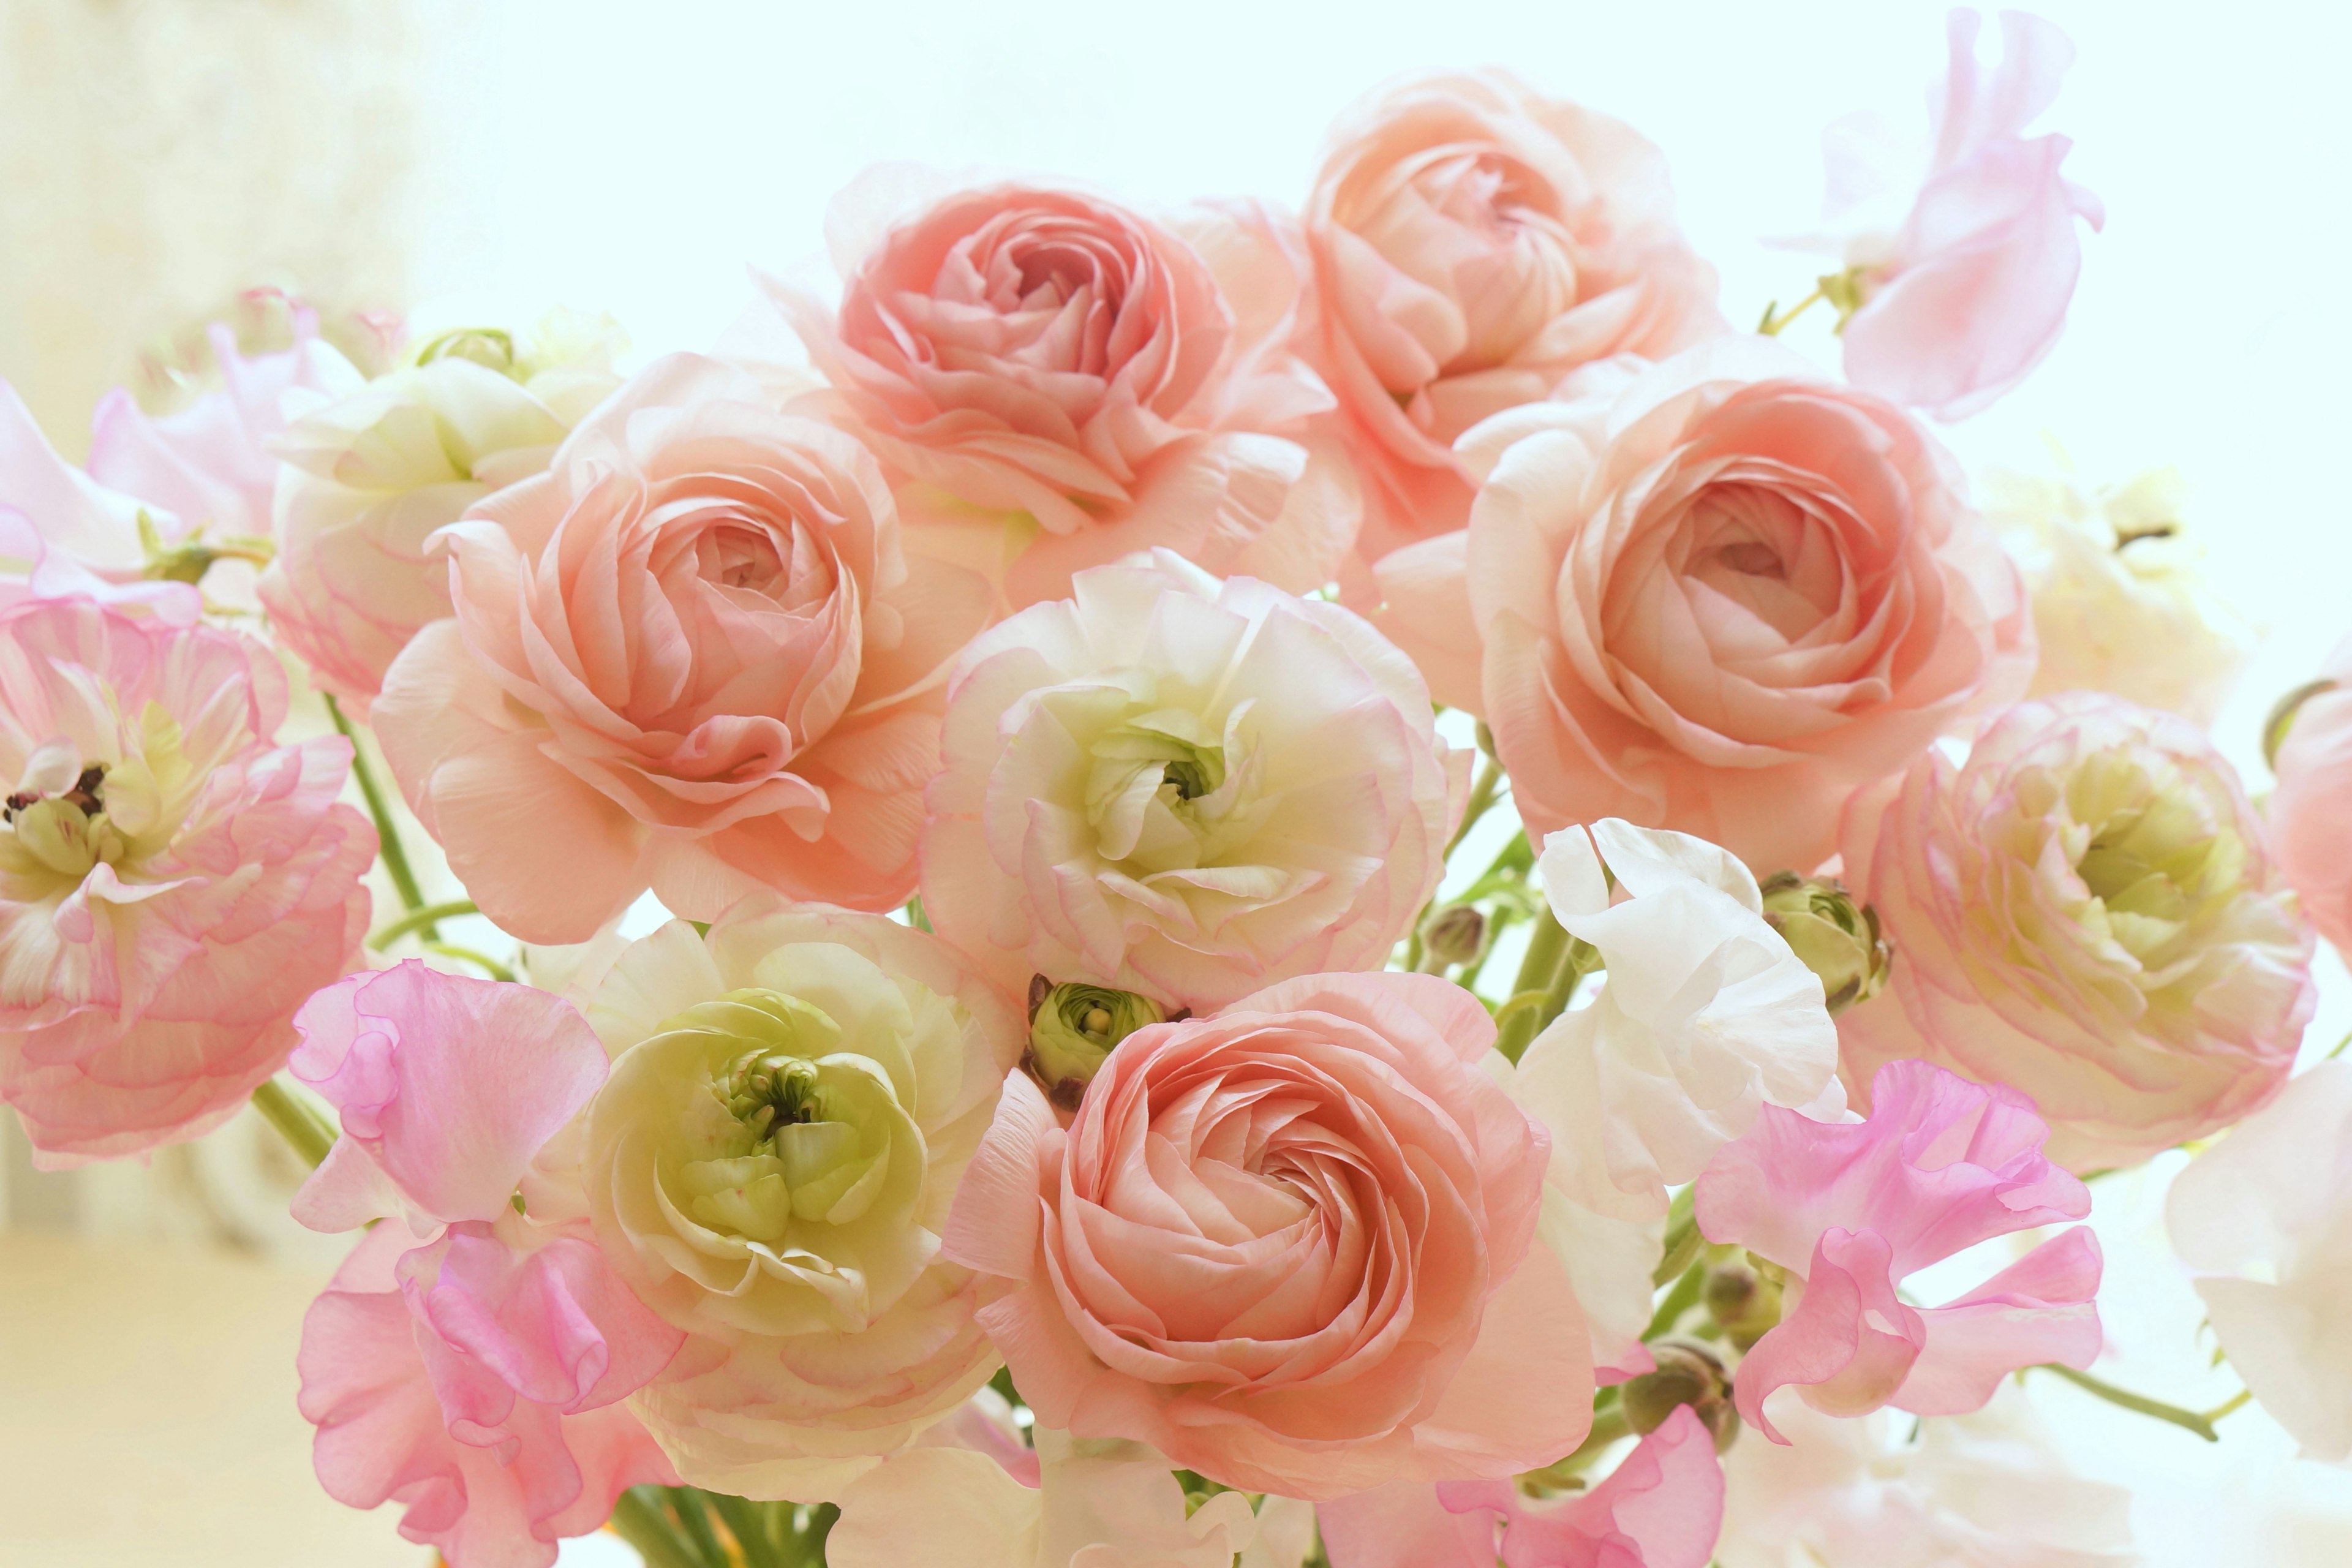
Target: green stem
{"x":387,"y":836}
{"x":689,"y":1506}
{"x":489,"y":966}
{"x":2187,"y":1420}
{"x":750,"y":1524}
{"x":1776,"y":318}
{"x":641,"y":1521}
{"x":1481,"y":801}
{"x":1609,"y":1425}
{"x":421,"y":919}
{"x":304,"y":1131}
{"x":2234,"y":1403}
{"x":1678,"y":1300}
{"x":1522,"y":1018}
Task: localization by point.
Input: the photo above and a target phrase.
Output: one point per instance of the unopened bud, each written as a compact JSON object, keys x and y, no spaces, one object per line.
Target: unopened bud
{"x":1688,"y":1374}
{"x":1745,"y":1300}
{"x":1454,"y":934}
{"x":1834,"y":936}
{"x":1073,"y":1028}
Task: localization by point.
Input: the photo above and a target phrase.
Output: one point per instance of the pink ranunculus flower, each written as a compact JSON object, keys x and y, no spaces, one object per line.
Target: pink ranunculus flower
{"x":371,"y":475}
{"x":469,"y":1364}
{"x":1721,"y":596}
{"x":1053,"y":381}
{"x":172,"y":882}
{"x":1849,"y":1210}
{"x":794,"y":1098}
{"x":2310,"y":811}
{"x":1184,"y":788}
{"x":689,"y":656}
{"x":1473,"y":243}
{"x":1660,"y":1507}
{"x":1291,"y":1246}
{"x":2085,"y":910}
{"x":1964,"y":275}
{"x":210,"y":464}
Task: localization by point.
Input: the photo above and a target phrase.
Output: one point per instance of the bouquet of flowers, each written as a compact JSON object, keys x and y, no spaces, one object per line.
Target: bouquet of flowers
{"x":1341,"y":885}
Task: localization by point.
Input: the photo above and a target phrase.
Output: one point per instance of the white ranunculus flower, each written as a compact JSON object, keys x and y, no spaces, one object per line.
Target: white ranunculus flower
{"x":1185,"y":788}
{"x":2267,"y":1215}
{"x":370,"y":476}
{"x":2119,"y":604}
{"x":1705,"y":1015}
{"x":1983,"y":1491}
{"x":1103,"y":1503}
{"x":794,"y":1098}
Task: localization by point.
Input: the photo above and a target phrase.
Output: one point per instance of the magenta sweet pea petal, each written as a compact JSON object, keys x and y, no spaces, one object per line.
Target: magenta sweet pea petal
{"x":1660,"y":1507}
{"x":1848,"y":1345}
{"x":446,"y":1088}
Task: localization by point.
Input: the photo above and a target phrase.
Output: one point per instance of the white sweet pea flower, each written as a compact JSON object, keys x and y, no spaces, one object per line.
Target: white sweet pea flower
{"x":1705,"y":1015}
{"x":1983,"y":1491}
{"x":2268,"y":1214}
{"x":1102,"y":1503}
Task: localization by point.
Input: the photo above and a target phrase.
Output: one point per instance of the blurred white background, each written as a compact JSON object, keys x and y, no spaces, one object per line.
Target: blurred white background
{"x":483,"y":160}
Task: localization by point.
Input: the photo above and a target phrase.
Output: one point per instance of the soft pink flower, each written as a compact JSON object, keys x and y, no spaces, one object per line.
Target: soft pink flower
{"x":1053,"y":381}
{"x":1969,"y":291}
{"x":1184,"y":788}
{"x":475,"y":1377}
{"x":691,"y":656}
{"x":2085,"y":910}
{"x":1849,"y":1210}
{"x":64,"y":535}
{"x":210,"y":463}
{"x":172,"y":883}
{"x":2310,"y":811}
{"x":1473,"y":243}
{"x":1658,"y":1508}
{"x":1290,"y":1245}
{"x":1725,"y":595}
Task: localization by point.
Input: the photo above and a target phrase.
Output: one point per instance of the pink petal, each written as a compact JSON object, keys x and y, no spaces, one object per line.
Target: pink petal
{"x":1662,"y":1507}
{"x":2039,"y":1309}
{"x":1849,"y":1344}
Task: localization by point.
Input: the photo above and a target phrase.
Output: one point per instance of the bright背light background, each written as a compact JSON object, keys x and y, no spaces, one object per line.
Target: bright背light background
{"x":636,"y":157}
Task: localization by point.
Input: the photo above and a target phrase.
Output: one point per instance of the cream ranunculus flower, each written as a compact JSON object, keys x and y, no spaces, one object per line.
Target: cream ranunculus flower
{"x":1186,"y":788}
{"x":1706,"y":1017}
{"x":370,"y":476}
{"x":2267,"y":1216}
{"x":793,"y":1101}
{"x":2119,"y":604}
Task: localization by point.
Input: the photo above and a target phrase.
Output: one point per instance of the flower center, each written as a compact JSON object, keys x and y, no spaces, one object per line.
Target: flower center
{"x":2149,"y":859}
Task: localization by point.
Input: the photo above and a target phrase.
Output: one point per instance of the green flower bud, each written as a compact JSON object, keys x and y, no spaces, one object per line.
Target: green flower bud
{"x":1744,"y":1299}
{"x":1688,"y":1374}
{"x":1454,"y":934}
{"x":1072,"y":1028}
{"x":1835,"y":937}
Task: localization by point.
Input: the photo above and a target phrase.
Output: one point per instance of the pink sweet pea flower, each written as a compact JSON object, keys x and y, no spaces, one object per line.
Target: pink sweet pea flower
{"x":210,"y":463}
{"x":476,"y":1377}
{"x":1969,"y":292}
{"x":64,"y":535}
{"x":1849,"y":1211}
{"x":1661,"y":1508}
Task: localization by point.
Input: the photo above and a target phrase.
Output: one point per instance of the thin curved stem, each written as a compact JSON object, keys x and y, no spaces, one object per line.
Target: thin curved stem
{"x":1775,"y":319}
{"x":2139,"y":1403}
{"x":387,"y":836}
{"x":1483,"y":793}
{"x":305,"y":1132}
{"x":421,"y":919}
{"x":489,"y":965}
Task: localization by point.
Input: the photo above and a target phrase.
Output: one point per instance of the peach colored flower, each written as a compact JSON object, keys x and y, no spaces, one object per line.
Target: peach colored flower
{"x":1291,"y":1246}
{"x":372,"y":474}
{"x":794,"y":1099}
{"x":469,"y":1363}
{"x":2310,"y":811}
{"x":1053,"y":381}
{"x":1184,"y":788}
{"x":1726,"y":598}
{"x":1473,"y":243}
{"x":2084,"y":910}
{"x":172,"y":883}
{"x":691,"y":656}
{"x":1963,"y":274}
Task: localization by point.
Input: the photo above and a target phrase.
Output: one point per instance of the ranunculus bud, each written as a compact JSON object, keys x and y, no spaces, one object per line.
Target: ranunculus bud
{"x":1454,"y":934}
{"x":1071,"y":1028}
{"x":1744,"y":1299}
{"x":1688,"y":1374}
{"x":1834,"y":933}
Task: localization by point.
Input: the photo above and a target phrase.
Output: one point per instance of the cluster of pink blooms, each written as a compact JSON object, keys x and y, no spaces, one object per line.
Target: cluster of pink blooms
{"x":1025,"y":711}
